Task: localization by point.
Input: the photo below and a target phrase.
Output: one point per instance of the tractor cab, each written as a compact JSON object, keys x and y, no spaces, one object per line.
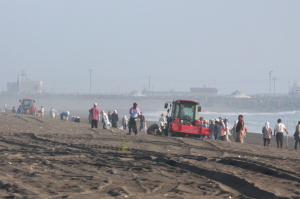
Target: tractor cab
{"x":183,"y":111}
{"x":183,"y":117}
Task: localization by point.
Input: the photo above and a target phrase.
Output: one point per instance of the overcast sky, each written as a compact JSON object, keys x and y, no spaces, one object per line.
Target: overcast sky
{"x":231,"y":45}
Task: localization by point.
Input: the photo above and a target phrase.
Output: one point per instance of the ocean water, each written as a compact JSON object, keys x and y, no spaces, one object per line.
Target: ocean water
{"x":253,"y":121}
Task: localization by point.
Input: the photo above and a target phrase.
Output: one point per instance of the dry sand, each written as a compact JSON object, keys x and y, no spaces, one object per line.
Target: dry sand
{"x":48,"y":158}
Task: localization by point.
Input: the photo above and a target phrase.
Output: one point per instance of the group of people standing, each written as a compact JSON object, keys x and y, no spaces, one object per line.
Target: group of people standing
{"x":220,"y":129}
{"x":136,"y":117}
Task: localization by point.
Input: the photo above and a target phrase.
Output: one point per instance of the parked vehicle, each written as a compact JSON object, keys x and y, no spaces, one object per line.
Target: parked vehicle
{"x":28,"y":106}
{"x":183,"y":119}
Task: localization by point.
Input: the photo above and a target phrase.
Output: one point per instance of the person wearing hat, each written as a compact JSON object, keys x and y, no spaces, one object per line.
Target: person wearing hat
{"x":162,"y":118}
{"x":163,"y":124}
{"x":134,"y":114}
{"x":95,"y":113}
{"x":205,"y":124}
{"x":114,"y":119}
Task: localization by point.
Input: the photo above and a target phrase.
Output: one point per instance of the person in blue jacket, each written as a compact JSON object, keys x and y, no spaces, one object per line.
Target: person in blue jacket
{"x":20,"y":110}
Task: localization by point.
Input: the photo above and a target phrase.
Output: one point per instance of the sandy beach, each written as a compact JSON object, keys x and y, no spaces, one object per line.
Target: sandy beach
{"x":49,"y":158}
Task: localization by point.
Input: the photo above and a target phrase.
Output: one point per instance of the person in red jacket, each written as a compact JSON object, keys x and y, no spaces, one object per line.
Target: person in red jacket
{"x":95,"y":113}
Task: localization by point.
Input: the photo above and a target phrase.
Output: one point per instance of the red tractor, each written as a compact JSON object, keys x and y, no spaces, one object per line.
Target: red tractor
{"x":183,"y":119}
{"x":28,"y":106}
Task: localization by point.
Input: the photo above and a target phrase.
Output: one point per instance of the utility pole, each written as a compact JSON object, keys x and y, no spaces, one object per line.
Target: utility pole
{"x":149,"y":83}
{"x":90,"y":80}
{"x":53,"y":85}
{"x":270,"y":73}
{"x":23,"y":73}
{"x":274,"y":85}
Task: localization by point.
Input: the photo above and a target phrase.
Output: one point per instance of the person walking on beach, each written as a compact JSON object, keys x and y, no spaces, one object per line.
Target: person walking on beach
{"x":297,"y":135}
{"x":267,"y":134}
{"x":20,"y":110}
{"x":134,"y":114}
{"x":114,"y":119}
{"x":124,"y":122}
{"x":142,"y":121}
{"x":95,"y":116}
{"x":279,"y":127}
{"x":240,"y":130}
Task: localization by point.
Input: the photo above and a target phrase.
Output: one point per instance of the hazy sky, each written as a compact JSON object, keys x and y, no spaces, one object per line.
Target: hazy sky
{"x":231,"y":45}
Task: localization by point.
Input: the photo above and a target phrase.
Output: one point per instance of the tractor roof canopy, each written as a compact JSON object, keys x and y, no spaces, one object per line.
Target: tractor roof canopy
{"x":189,"y":101}
{"x":29,"y":99}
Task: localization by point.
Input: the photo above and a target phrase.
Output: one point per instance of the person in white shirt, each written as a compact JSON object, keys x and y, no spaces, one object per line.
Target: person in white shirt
{"x":162,"y":123}
{"x":226,"y":130}
{"x":53,"y":113}
{"x":162,"y":118}
{"x":42,"y":111}
{"x":279,"y":127}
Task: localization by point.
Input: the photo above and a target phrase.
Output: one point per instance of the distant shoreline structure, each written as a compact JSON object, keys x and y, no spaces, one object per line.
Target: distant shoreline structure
{"x":260,"y":103}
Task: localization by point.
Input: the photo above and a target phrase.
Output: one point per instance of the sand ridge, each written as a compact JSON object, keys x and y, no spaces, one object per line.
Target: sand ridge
{"x":49,"y":158}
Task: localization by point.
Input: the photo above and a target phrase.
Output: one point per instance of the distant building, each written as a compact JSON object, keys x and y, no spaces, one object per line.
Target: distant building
{"x":136,"y":94}
{"x":33,"y":87}
{"x":238,"y":94}
{"x":204,"y":91}
{"x":194,"y":92}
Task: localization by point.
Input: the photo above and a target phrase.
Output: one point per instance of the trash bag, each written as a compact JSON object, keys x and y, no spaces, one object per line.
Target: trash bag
{"x":145,"y":127}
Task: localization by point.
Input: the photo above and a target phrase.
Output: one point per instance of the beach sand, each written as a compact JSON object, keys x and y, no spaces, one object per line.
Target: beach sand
{"x":49,"y":158}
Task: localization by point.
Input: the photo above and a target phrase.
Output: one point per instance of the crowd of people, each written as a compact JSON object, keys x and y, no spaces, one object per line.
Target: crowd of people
{"x":41,"y":113}
{"x":219,"y":128}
